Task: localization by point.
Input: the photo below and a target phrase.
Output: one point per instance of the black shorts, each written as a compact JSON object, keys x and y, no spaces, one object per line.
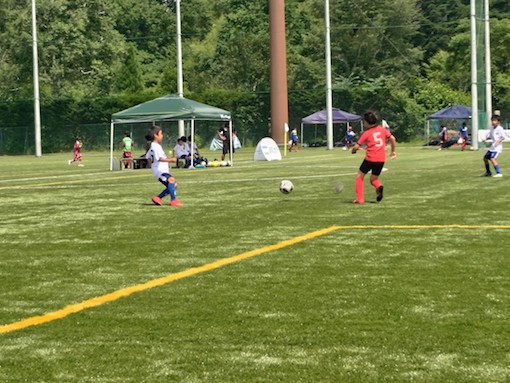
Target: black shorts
{"x":226,"y":147}
{"x":163,"y":178}
{"x":375,"y":167}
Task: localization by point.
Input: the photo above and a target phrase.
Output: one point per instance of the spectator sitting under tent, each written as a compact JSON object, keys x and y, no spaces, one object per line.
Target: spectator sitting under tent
{"x":181,"y":152}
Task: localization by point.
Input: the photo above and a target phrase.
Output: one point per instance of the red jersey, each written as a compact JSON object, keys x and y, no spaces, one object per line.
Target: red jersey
{"x":376,"y":139}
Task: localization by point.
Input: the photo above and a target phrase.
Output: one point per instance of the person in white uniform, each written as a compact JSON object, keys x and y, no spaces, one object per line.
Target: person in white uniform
{"x":160,"y":168}
{"x":497,"y":136}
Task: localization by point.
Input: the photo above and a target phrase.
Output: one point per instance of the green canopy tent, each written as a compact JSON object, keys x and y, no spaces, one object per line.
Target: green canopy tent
{"x":169,"y":108}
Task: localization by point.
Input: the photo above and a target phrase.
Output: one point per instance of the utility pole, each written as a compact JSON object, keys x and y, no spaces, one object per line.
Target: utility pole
{"x":474,"y":78}
{"x":329,"y":87}
{"x":180,"y":90}
{"x":488,"y":61}
{"x":279,"y":91}
{"x":37,"y":106}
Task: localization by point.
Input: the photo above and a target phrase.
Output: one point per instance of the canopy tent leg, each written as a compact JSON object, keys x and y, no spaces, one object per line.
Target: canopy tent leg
{"x":192,"y":144}
{"x":231,"y":156}
{"x":427,"y":137}
{"x":111,"y":144}
{"x":301,"y":134}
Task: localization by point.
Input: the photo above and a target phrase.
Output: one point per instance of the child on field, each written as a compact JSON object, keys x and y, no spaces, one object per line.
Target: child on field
{"x":375,"y":137}
{"x":77,"y":152}
{"x":127,"y":150}
{"x":463,"y":134}
{"x":349,"y":138}
{"x":293,"y":140}
{"x":497,"y":136}
{"x":160,"y":168}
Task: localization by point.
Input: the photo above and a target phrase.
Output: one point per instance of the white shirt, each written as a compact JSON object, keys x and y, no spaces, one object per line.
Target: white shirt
{"x":188,"y":147}
{"x":497,"y":134}
{"x":181,"y":150}
{"x":155,"y":153}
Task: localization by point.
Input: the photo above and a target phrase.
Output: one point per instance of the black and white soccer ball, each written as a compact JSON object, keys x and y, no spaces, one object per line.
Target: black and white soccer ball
{"x":286,"y":186}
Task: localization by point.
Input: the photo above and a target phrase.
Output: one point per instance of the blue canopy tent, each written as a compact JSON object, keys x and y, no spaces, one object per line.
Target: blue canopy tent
{"x":454,"y":112}
{"x":321,"y":118}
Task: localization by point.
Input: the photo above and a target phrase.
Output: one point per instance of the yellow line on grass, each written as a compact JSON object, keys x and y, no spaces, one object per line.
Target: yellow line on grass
{"x":97,"y":301}
{"x":425,"y":227}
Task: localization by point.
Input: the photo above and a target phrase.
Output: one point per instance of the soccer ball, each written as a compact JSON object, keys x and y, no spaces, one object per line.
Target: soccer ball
{"x":286,"y":186}
{"x":338,"y":187}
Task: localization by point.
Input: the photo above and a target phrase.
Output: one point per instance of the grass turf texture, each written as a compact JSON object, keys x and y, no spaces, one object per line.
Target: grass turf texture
{"x":374,"y":304}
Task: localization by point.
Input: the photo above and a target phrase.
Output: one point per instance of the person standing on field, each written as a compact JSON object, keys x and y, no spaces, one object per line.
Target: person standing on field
{"x":375,"y":137}
{"x":293,"y":140}
{"x":463,"y":135}
{"x":224,"y":135}
{"x":444,"y":136}
{"x":127,"y":150}
{"x":497,"y":136}
{"x":160,"y":169}
{"x":349,"y":137}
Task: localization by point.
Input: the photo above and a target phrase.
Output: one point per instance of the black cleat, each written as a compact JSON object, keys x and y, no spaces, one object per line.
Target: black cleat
{"x":379,"y":193}
{"x":486,"y":175}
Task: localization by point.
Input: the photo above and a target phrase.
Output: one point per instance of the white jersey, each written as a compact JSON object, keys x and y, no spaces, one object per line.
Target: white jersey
{"x":155,"y":153}
{"x":497,"y":134}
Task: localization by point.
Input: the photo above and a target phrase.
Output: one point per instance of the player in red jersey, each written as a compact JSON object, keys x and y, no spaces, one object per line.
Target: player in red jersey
{"x":375,"y":137}
{"x":77,"y":152}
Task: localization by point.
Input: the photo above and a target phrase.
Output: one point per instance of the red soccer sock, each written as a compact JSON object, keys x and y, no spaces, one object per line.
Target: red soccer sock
{"x":360,"y":193}
{"x":375,"y":183}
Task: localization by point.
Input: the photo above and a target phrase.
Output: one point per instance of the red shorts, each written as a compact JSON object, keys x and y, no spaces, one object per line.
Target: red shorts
{"x":127,"y":154}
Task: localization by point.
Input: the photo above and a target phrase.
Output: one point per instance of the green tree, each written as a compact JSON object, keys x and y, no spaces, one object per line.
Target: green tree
{"x":130,"y":79}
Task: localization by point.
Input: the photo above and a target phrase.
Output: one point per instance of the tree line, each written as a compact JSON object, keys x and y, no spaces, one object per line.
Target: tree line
{"x":405,"y":58}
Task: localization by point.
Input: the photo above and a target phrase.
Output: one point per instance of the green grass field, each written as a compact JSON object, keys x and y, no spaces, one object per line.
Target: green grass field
{"x":413,"y":289}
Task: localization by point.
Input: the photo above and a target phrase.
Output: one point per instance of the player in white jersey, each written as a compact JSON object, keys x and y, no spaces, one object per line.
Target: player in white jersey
{"x":160,"y":168}
{"x":497,"y":136}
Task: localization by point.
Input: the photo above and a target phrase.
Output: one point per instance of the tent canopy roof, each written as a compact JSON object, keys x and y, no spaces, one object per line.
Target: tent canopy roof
{"x":455,"y":112}
{"x":170,"y":108}
{"x":339,"y":116}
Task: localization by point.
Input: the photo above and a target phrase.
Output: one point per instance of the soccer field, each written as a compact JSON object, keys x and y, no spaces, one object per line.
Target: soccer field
{"x":245,"y":284}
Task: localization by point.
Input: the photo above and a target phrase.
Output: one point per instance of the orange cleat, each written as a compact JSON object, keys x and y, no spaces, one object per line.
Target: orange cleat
{"x":156,"y":200}
{"x":358,"y":202}
{"x":175,"y":203}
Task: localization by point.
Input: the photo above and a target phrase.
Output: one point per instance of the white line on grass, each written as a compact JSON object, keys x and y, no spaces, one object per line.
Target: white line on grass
{"x":53,"y":177}
{"x":192,"y":182}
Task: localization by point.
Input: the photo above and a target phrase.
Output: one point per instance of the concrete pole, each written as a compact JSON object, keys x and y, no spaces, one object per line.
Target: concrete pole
{"x":329,"y":88}
{"x":180,"y":88}
{"x":488,"y":73}
{"x":37,"y":106}
{"x":474,"y":79}
{"x":279,"y":92}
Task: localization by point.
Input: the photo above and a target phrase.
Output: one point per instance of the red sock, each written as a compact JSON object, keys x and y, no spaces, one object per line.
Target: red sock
{"x":360,"y":194}
{"x":375,"y":183}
